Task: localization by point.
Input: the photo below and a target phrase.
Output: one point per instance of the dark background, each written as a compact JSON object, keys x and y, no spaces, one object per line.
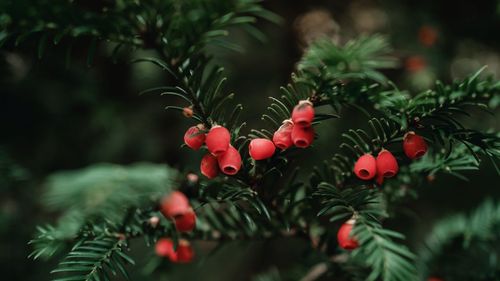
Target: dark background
{"x":55,"y":117}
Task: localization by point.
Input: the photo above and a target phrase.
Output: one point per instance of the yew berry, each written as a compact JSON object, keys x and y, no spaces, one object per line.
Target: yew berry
{"x":387,"y":165}
{"x":176,"y":203}
{"x":230,"y":161}
{"x":282,"y":138}
{"x":217,"y":140}
{"x":194,"y":137}
{"x":260,"y":149}
{"x":165,"y":248}
{"x":414,"y":145}
{"x":344,"y":237}
{"x":184,"y":253}
{"x":303,"y":114}
{"x":185,"y":222}
{"x":365,"y":167}
{"x":209,"y":166}
{"x":302,"y":136}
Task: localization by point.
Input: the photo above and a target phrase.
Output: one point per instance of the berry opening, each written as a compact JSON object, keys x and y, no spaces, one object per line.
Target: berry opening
{"x":301,"y":143}
{"x":419,"y":153}
{"x":230,"y":170}
{"x":364,"y":173}
{"x":302,"y":123}
{"x":389,"y":174}
{"x":280,"y":146}
{"x":218,"y":152}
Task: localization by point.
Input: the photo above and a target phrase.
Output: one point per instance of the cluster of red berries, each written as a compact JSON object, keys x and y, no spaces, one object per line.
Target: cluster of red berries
{"x":386,"y":165}
{"x":176,"y":207}
{"x":165,"y":248}
{"x":222,"y":155}
{"x":295,"y":131}
{"x":298,"y":131}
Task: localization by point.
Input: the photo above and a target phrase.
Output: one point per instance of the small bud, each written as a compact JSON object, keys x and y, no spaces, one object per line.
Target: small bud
{"x":192,"y":178}
{"x":188,"y":111}
{"x":153,"y":221}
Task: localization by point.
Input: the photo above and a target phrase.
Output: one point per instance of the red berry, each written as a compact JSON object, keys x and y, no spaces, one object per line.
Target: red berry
{"x":218,"y":140}
{"x":282,"y":138}
{"x":260,"y":149}
{"x":427,"y":35}
{"x":185,"y":253}
{"x":366,"y":167}
{"x":303,"y":114}
{"x":194,"y":137}
{"x":387,"y":165}
{"x":209,"y":166}
{"x":185,"y":222}
{"x":414,"y":145}
{"x":415,"y":63}
{"x":230,"y":161}
{"x":302,"y":136}
{"x":344,"y":236}
{"x":165,"y":248}
{"x":176,"y":203}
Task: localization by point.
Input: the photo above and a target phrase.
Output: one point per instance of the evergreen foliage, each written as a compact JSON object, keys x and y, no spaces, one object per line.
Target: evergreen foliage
{"x":104,"y":207}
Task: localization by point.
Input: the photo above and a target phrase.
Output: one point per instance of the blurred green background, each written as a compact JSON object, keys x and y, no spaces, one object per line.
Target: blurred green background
{"x":55,"y":117}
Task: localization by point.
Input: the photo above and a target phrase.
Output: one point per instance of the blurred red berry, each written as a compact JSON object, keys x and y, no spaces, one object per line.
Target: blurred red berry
{"x":185,"y":252}
{"x":415,"y":63}
{"x":427,"y":35}
{"x":185,"y":222}
{"x":165,"y":248}
{"x":174,"y":204}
